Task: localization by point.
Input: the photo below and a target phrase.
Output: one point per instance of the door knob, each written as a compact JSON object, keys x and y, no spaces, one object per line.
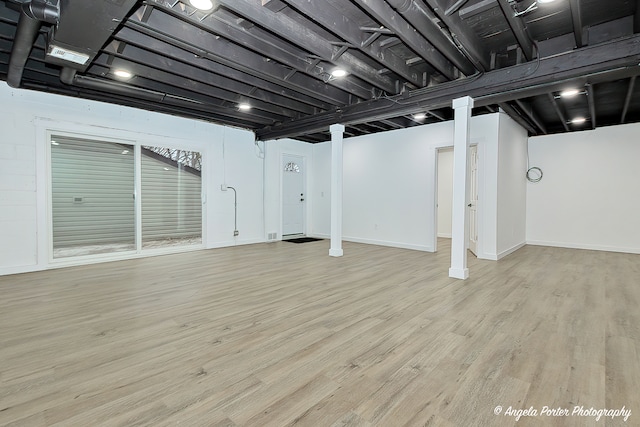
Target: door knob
{"x":302,"y":200}
{"x":469,"y":205}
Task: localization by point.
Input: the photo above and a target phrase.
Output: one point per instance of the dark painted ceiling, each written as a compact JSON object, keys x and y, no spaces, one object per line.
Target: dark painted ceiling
{"x":403,"y":57}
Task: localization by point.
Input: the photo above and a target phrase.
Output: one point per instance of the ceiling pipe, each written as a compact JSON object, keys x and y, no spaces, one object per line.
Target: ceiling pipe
{"x":33,"y":14}
{"x":68,"y":76}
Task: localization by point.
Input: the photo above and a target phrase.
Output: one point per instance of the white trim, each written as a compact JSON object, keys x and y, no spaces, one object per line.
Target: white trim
{"x":99,"y":258}
{"x":43,"y":212}
{"x":444,"y":235}
{"x":584,"y":246}
{"x":432,"y":165}
{"x":511,"y":250}
{"x":231,"y":243}
{"x":336,"y":252}
{"x":137,"y":191}
{"x":400,"y":245}
{"x":44,"y":128}
{"x":457,"y":273}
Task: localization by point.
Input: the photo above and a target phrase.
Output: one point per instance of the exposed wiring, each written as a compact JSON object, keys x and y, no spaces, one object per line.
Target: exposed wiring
{"x":534,"y":174}
{"x":235,"y":211}
{"x":532,"y":7}
{"x":224,"y":162}
{"x":260,"y":149}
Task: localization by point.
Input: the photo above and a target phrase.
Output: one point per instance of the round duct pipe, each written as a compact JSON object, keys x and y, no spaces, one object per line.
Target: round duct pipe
{"x":32,"y":15}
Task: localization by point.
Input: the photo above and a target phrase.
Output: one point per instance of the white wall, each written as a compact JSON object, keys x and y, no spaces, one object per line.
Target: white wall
{"x":390,"y":183}
{"x":512,"y":187}
{"x":588,"y":197}
{"x":388,"y":186}
{"x":228,"y":155}
{"x":321,"y":190}
{"x":445,"y":191}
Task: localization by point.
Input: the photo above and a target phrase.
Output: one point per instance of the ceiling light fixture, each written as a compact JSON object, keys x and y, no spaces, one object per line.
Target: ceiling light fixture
{"x":54,"y":143}
{"x":569,"y":93}
{"x":244,"y":106}
{"x":545,"y":1}
{"x":339,"y":72}
{"x":202,"y":4}
{"x":123,"y":74}
{"x":578,"y":120}
{"x":420,"y":116}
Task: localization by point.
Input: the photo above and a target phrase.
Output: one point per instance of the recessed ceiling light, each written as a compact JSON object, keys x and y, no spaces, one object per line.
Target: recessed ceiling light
{"x":339,"y":72}
{"x":420,"y":116}
{"x":244,"y":106}
{"x":545,"y":1}
{"x":123,"y":74}
{"x":569,"y":93}
{"x":125,"y":151}
{"x":201,"y":4}
{"x":54,"y":143}
{"x":578,"y":120}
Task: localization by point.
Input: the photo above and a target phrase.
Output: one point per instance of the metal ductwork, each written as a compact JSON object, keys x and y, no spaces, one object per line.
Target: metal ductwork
{"x":33,"y":14}
{"x":83,"y":29}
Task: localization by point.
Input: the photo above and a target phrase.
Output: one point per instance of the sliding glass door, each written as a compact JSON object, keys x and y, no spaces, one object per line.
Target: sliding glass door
{"x":171,"y":197}
{"x":93,"y":196}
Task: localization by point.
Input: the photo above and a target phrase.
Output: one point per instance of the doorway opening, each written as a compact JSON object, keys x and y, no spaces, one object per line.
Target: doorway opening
{"x":444,"y":195}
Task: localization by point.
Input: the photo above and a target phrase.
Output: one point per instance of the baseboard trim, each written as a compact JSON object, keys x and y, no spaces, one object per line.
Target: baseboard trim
{"x":6,"y":271}
{"x":400,"y":245}
{"x":459,"y":273}
{"x":511,"y":250}
{"x":584,"y":246}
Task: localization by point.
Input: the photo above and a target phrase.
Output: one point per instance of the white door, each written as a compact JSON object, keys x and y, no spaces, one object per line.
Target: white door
{"x":293,"y":195}
{"x":473,"y":200}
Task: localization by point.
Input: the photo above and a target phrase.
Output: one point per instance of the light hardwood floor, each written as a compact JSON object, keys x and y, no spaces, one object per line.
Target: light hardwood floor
{"x":282,"y":334}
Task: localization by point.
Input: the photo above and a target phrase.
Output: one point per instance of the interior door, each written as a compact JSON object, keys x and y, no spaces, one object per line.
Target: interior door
{"x":473,"y":199}
{"x":293,"y":195}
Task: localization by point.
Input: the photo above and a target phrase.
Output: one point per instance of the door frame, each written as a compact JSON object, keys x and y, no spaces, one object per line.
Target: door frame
{"x":303,"y":162}
{"x":474,"y":251}
{"x":433,"y":160}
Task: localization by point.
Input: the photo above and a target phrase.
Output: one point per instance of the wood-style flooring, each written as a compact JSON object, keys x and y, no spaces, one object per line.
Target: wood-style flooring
{"x":281,"y":334}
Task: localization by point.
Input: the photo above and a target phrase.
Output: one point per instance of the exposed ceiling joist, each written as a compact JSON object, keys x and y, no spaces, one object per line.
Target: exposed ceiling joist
{"x":559,"y":113}
{"x":306,"y":38}
{"x":518,"y":28}
{"x":532,"y":115}
{"x":344,"y":27}
{"x":517,"y":117}
{"x":627,"y":99}
{"x":423,"y":20}
{"x":605,"y":61}
{"x":205,"y":38}
{"x":384,"y":14}
{"x":466,"y":38}
{"x":591,"y":99}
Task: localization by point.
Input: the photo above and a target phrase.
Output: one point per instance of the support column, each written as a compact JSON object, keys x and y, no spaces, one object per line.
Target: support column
{"x":336,"y":189}
{"x":460,"y":218}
